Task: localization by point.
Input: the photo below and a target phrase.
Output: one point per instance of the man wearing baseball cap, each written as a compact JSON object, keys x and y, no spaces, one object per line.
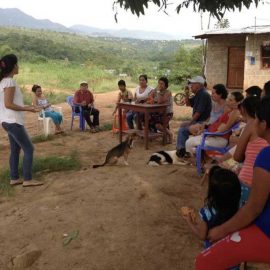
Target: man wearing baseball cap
{"x":85,"y":99}
{"x":201,"y":108}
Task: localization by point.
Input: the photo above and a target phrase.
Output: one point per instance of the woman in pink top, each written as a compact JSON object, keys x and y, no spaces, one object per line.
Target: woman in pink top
{"x":248,"y":146}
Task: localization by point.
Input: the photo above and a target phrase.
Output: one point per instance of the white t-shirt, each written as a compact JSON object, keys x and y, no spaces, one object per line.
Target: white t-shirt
{"x":144,"y":95}
{"x":7,"y":115}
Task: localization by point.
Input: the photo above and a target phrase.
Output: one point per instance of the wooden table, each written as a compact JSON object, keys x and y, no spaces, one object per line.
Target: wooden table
{"x":146,"y":109}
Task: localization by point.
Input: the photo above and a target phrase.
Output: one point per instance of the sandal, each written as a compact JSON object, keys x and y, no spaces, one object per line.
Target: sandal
{"x":92,"y":130}
{"x":32,"y":183}
{"x":15,"y":182}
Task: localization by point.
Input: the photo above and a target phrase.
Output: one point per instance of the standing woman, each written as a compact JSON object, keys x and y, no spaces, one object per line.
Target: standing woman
{"x":12,"y":119}
{"x":142,"y":94}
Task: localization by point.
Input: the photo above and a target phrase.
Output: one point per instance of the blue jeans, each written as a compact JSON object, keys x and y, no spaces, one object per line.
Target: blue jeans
{"x":56,"y":117}
{"x":182,"y":136}
{"x":19,"y":139}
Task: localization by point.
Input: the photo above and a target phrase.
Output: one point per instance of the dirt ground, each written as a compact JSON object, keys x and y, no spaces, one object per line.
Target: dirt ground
{"x":127,"y":217}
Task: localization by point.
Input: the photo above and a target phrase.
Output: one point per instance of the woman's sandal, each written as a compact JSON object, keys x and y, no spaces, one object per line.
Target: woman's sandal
{"x":59,"y":132}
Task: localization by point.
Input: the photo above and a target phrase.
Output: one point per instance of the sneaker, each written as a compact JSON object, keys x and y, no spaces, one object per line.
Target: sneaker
{"x":15,"y":182}
{"x":32,"y":183}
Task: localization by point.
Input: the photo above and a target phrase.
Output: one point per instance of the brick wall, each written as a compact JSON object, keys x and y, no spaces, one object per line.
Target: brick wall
{"x":254,"y":74}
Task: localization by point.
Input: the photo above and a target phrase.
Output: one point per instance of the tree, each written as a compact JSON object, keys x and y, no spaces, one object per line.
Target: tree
{"x":216,"y":8}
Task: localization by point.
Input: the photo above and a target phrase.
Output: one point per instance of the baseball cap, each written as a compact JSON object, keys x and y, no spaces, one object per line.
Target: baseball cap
{"x":197,"y":79}
{"x":83,"y":82}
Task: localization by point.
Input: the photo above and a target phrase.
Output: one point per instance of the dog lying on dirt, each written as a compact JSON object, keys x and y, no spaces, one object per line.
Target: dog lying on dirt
{"x":164,"y":158}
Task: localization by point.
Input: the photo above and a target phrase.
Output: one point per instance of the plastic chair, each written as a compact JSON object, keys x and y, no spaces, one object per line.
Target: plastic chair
{"x":203,"y":147}
{"x":47,"y":121}
{"x":115,"y":125}
{"x":76,"y":114}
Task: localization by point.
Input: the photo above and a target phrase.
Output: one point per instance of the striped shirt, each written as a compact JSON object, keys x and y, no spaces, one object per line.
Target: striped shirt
{"x":253,"y":149}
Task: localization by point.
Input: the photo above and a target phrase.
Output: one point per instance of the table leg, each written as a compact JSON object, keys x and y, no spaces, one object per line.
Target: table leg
{"x":164,"y":127}
{"x":120,"y":123}
{"x":146,"y":128}
{"x":138,"y":121}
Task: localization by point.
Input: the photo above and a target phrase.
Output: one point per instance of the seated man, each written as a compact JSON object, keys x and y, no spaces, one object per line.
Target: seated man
{"x":201,"y":104}
{"x":84,"y":98}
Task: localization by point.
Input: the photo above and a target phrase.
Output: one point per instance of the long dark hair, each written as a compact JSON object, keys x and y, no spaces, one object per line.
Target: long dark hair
{"x":263,"y":111}
{"x":250,"y":105}
{"x":7,"y":64}
{"x":224,"y":193}
{"x":266,"y":89}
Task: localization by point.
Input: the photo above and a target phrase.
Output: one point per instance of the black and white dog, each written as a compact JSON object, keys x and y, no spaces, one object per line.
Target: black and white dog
{"x":164,"y":157}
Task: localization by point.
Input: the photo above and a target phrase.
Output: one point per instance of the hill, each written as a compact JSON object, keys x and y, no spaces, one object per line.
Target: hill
{"x":17,"y":18}
{"x":58,"y":59}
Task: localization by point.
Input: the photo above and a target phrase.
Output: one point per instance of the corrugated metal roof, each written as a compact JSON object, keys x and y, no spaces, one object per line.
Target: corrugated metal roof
{"x":262,"y":29}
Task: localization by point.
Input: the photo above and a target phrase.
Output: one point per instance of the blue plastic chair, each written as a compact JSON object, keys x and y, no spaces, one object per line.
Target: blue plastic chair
{"x":76,"y":114}
{"x":203,"y":147}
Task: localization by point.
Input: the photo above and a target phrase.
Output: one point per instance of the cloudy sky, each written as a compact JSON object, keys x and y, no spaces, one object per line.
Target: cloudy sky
{"x":99,"y":13}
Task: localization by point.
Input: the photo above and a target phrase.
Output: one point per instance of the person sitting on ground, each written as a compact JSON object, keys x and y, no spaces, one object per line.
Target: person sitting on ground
{"x":223,"y":123}
{"x":142,"y":94}
{"x":124,"y":95}
{"x":266,"y":89}
{"x":246,"y":236}
{"x":253,"y":91}
{"x":162,"y":95}
{"x":219,"y":96}
{"x":201,"y":104}
{"x":40,"y":100}
{"x":84,"y":98}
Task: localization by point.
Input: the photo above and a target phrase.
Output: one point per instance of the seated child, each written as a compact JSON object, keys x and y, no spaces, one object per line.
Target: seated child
{"x":221,"y":203}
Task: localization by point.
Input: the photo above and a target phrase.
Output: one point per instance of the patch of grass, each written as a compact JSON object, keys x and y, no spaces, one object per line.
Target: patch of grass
{"x":5,"y":187}
{"x":42,"y":138}
{"x":56,"y":163}
{"x":42,"y":165}
{"x":106,"y":127}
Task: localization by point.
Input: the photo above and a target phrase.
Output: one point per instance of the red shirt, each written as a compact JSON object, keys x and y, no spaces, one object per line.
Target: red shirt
{"x":84,"y":95}
{"x":223,"y":119}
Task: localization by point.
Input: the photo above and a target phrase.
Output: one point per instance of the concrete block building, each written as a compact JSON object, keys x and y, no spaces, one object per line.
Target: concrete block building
{"x":238,"y":58}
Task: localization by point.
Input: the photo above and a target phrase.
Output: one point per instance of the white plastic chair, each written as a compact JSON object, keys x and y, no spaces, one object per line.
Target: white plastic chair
{"x":47,"y":121}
